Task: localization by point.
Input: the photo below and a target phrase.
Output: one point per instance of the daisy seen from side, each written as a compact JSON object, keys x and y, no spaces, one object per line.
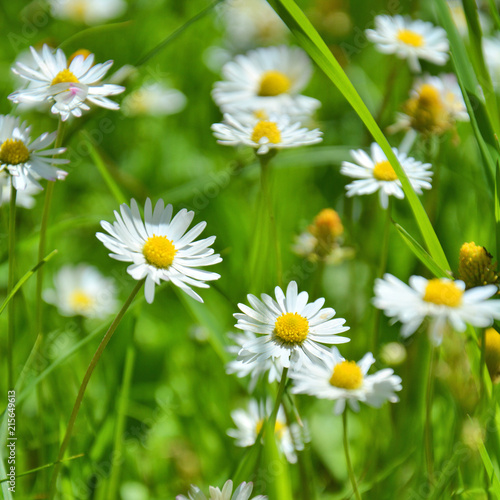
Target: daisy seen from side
{"x":242,"y":492}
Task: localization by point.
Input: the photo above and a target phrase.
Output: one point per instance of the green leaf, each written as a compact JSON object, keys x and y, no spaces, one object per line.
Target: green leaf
{"x":497,"y":208}
{"x":314,"y":45}
{"x":488,"y":465}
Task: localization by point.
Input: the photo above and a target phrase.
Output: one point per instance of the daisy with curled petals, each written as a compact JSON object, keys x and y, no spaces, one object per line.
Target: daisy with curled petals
{"x":347,"y":382}
{"x":160,"y":248}
{"x":249,"y":423}
{"x":242,"y":492}
{"x":442,"y":300}
{"x":70,"y":86}
{"x":26,"y":160}
{"x":374,"y":173}
{"x":410,"y":39}
{"x":269,"y":78}
{"x":291,"y":329}
{"x":263,"y":135}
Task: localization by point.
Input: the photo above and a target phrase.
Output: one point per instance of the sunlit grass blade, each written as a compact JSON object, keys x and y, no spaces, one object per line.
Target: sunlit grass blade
{"x":25,"y":278}
{"x":420,"y":253}
{"x":90,"y":33}
{"x":312,"y":42}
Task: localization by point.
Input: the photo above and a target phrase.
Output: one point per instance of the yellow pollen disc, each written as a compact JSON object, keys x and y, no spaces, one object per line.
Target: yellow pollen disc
{"x":443,"y":293}
{"x":80,"y":301}
{"x":266,"y":129}
{"x":64,"y":76}
{"x":328,"y":222}
{"x":278,"y":428}
{"x":383,"y":171}
{"x":347,"y":375}
{"x":159,"y":251}
{"x":429,"y":96}
{"x":291,"y":328}
{"x":274,"y":83}
{"x":81,"y":52}
{"x":492,"y":353}
{"x":260,"y":114}
{"x":13,"y":152}
{"x":410,"y":38}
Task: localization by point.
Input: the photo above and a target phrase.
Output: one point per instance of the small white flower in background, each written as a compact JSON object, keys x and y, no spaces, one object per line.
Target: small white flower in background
{"x":277,"y":132}
{"x":154,"y":99}
{"x":82,"y":291}
{"x":25,"y":160}
{"x":444,"y":301}
{"x":374,"y":173}
{"x":347,"y":382}
{"x":291,"y":330}
{"x":242,"y":492}
{"x":87,"y":11}
{"x":251,"y":23}
{"x":24,"y":198}
{"x":249,"y":423}
{"x":409,"y":39}
{"x":393,"y":354}
{"x":272,"y":367}
{"x":69,"y":85}
{"x":160,"y":248}
{"x":268,"y":79}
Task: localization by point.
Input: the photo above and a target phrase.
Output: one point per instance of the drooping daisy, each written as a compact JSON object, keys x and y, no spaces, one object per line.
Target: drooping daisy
{"x":290,"y":329}
{"x":375,"y":173}
{"x":87,"y":11}
{"x":270,"y":366}
{"x":410,"y":39}
{"x":159,"y":248}
{"x":268,"y":79}
{"x":155,"y":99}
{"x":82,"y":291}
{"x":26,"y":160}
{"x":242,"y":492}
{"x":24,"y":198}
{"x":347,"y":382}
{"x":70,"y":86}
{"x":443,"y":301}
{"x":263,"y":135}
{"x":249,"y":423}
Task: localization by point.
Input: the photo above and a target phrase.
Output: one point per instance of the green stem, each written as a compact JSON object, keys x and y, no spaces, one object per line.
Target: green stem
{"x":429,"y":459}
{"x":83,"y":386}
{"x":482,"y":362}
{"x":279,"y":396}
{"x":10,"y":286}
{"x":350,"y":470}
{"x":266,"y":195}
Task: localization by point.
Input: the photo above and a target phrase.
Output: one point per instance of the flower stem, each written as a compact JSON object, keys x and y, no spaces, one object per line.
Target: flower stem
{"x":279,"y":396}
{"x":10,"y":286}
{"x":429,"y":459}
{"x":350,"y":470}
{"x":83,"y":386}
{"x":482,"y":363}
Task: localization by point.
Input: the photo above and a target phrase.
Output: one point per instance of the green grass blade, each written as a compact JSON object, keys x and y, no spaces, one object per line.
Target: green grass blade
{"x":314,"y":45}
{"x":490,"y":470}
{"x":25,"y":278}
{"x":497,"y":208}
{"x":90,"y":33}
{"x":420,"y":253}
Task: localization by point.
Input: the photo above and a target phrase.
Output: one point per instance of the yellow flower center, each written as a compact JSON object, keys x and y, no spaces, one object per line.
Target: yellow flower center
{"x":159,"y":251}
{"x":383,"y":171}
{"x":13,"y":152}
{"x":476,"y":266}
{"x":492,"y":353}
{"x":274,"y":83}
{"x":278,"y":428}
{"x":81,"y":52}
{"x":64,"y":76}
{"x":328,"y":223}
{"x":347,"y":375}
{"x":81,"y":301}
{"x":291,"y":328}
{"x":410,"y":38}
{"x":260,"y":114}
{"x":266,"y":129}
{"x":443,"y":293}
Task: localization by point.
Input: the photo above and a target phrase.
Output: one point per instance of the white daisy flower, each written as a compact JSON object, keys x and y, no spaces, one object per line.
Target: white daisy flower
{"x":374,"y":173}
{"x":290,"y":329}
{"x":443,"y":301}
{"x":155,"y":99}
{"x":25,"y":160}
{"x":24,"y":198}
{"x":87,"y":11}
{"x":268,"y":79}
{"x":347,"y":382}
{"x":263,"y":135}
{"x":241,"y":369}
{"x":410,"y":39}
{"x":249,"y":423}
{"x":70,"y":86}
{"x":159,"y":248}
{"x":242,"y":492}
{"x":82,"y":291}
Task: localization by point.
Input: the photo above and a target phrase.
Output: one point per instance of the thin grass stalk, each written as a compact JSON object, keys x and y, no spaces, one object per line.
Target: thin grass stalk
{"x":350,"y":470}
{"x":429,"y":453}
{"x":10,"y":287}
